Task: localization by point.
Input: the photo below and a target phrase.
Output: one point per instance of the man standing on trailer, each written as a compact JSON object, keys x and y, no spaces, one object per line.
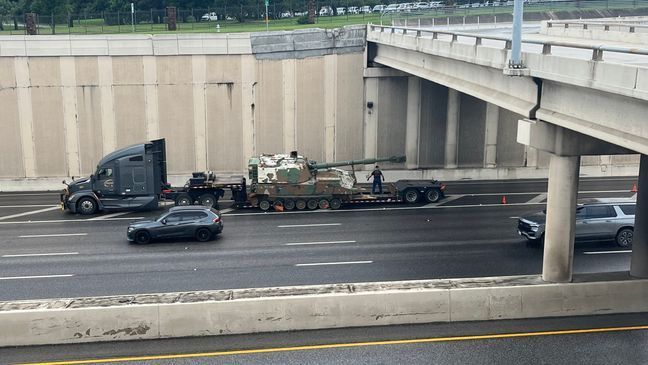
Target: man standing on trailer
{"x":378,"y":178}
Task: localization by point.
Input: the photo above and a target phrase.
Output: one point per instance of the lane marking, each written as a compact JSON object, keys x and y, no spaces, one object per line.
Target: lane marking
{"x":29,"y":206}
{"x":226,"y":210}
{"x":53,"y":235}
{"x":29,"y":194}
{"x":448,"y":199}
{"x":309,"y":225}
{"x":335,"y":263}
{"x":70,"y":220}
{"x":351,"y":345}
{"x":316,"y":243}
{"x":605,"y":252}
{"x":544,"y":192}
{"x":36,"y":277}
{"x":29,"y":213}
{"x":107,"y":216}
{"x":539,"y":198}
{"x":41,"y":254}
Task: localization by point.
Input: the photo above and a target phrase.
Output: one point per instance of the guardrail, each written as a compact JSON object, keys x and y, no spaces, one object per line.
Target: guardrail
{"x":597,"y":50}
{"x":605,"y":25}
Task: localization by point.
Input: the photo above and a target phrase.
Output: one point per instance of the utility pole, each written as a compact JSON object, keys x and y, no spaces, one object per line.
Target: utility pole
{"x":267,"y":2}
{"x":515,"y":65}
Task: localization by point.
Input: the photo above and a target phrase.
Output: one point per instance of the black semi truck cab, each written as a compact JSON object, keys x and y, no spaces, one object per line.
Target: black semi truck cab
{"x":132,"y":177}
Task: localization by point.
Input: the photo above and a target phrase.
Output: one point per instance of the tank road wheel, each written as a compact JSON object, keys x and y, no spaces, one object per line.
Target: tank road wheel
{"x":208,"y":200}
{"x":289,"y":204}
{"x":300,"y":204}
{"x":323,"y":204}
{"x":86,"y":206}
{"x":624,"y":237}
{"x":183,"y":199}
{"x":311,"y":204}
{"x":432,"y":195}
{"x":411,"y":195}
{"x":203,"y":234}
{"x":264,"y":205}
{"x":336,"y":203}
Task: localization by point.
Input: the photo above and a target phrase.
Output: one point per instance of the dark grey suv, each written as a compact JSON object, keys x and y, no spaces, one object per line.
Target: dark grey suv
{"x":601,"y":219}
{"x":199,"y":222}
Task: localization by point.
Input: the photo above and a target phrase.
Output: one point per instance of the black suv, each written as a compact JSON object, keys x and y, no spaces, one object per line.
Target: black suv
{"x":200,"y":222}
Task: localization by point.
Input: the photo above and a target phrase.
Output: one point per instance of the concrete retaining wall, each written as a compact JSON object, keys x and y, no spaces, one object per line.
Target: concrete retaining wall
{"x":314,"y":307}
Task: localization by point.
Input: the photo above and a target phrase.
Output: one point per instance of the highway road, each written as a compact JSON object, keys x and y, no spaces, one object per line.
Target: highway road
{"x":45,"y":253}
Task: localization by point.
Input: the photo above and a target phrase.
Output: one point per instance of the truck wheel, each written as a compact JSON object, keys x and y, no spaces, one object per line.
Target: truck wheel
{"x":183,"y":199}
{"x":624,"y":237}
{"x":207,"y":200}
{"x":311,"y":204}
{"x":142,"y":237}
{"x":264,"y":205}
{"x":411,"y":195}
{"x":203,"y":234}
{"x":323,"y":204}
{"x":289,"y":204}
{"x":86,"y":206}
{"x":432,"y":195}
{"x":336,"y":203}
{"x":300,"y":204}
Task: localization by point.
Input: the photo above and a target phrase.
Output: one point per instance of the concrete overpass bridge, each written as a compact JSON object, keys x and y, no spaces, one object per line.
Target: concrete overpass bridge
{"x":578,"y":96}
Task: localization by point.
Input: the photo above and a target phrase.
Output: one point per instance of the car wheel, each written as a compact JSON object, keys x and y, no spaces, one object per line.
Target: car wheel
{"x":207,"y":200}
{"x":203,"y":234}
{"x":86,"y":206}
{"x":264,"y":205}
{"x":311,"y":204}
{"x":624,"y":237}
{"x":336,"y":203}
{"x":300,"y":204}
{"x":289,"y":204}
{"x":323,"y":204}
{"x":142,"y":237}
{"x":411,"y":195}
{"x":183,"y":199}
{"x":432,"y":195}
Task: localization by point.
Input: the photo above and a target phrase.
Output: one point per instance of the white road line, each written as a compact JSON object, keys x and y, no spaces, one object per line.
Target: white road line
{"x":335,"y":263}
{"x":29,"y":206}
{"x":29,"y":213}
{"x":310,"y":225}
{"x":605,"y":252}
{"x":514,"y":217}
{"x":226,"y":210}
{"x":53,"y":235}
{"x":448,"y":199}
{"x":544,"y":192}
{"x":316,"y":243}
{"x":539,"y":198}
{"x":36,"y":277}
{"x":28,"y":194}
{"x":104,"y":217}
{"x":71,"y":220}
{"x":42,"y":254}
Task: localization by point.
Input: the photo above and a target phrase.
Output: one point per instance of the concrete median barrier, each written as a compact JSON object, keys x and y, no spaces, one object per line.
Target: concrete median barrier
{"x":243,"y":311}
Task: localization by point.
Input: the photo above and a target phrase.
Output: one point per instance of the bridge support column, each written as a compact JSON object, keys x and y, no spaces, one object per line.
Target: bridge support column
{"x":371,"y":118}
{"x":452,"y":130}
{"x":413,"y":122}
{"x":561,"y":219}
{"x":490,"y":140}
{"x":639,"y":261}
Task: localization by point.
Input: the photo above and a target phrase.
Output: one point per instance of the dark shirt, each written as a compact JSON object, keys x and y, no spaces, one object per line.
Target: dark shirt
{"x":377,"y":175}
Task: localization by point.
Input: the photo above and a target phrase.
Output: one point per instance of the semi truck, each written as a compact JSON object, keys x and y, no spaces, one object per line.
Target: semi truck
{"x":135,"y":178}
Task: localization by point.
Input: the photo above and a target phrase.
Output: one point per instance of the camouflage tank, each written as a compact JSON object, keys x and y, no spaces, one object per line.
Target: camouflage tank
{"x":289,"y":181}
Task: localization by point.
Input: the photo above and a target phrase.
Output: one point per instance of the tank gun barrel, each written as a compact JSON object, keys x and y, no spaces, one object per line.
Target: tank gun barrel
{"x":326,"y":165}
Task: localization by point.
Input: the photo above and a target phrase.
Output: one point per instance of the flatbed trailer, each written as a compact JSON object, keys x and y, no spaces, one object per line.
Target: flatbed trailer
{"x":206,"y":188}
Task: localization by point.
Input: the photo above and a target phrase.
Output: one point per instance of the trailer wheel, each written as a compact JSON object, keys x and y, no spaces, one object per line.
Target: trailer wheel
{"x":300,"y":204}
{"x":264,"y":205}
{"x":411,"y":195}
{"x":183,"y":199}
{"x":324,"y":204}
{"x":336,"y":203}
{"x":432,"y":195}
{"x":311,"y":204}
{"x":207,"y":200}
{"x":289,"y":204}
{"x":86,"y":206}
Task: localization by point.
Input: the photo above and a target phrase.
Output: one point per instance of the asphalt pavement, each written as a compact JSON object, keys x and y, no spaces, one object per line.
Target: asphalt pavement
{"x":45,"y":253}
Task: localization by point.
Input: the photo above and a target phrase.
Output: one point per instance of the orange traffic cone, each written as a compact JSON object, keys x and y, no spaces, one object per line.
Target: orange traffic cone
{"x":503,"y":199}
{"x":279,"y":207}
{"x":634,"y":188}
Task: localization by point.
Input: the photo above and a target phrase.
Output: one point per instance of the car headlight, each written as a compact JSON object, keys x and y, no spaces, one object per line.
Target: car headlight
{"x":131,"y":229}
{"x":534,"y":228}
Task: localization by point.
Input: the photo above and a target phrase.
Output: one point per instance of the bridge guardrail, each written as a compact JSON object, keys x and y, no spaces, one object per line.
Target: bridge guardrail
{"x":597,"y":50}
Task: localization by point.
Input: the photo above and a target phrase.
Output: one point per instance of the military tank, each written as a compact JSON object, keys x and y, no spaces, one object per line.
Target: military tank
{"x":291,"y":181}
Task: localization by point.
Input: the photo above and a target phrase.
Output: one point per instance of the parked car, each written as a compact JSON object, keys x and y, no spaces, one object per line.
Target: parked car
{"x":340,"y":11}
{"x":192,"y":221}
{"x":391,"y":8}
{"x":353,"y":10}
{"x":365,"y":9}
{"x":326,"y":11}
{"x":209,"y":17}
{"x":378,"y":8}
{"x":601,"y":219}
{"x":421,"y":6}
{"x":285,"y":14}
